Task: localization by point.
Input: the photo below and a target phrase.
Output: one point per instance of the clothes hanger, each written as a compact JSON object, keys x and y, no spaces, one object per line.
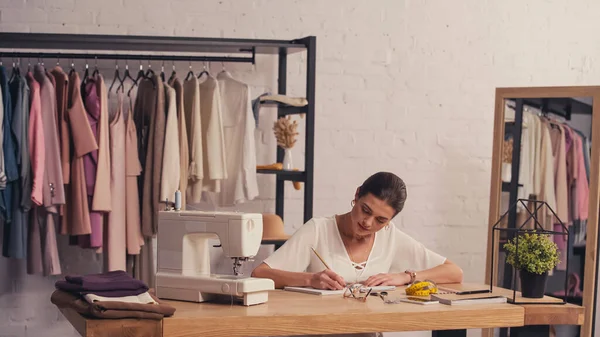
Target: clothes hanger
{"x":140,"y":76}
{"x":126,"y":75}
{"x":96,"y":71}
{"x":190,"y":73}
{"x":115,"y":78}
{"x":72,"y":68}
{"x":173,"y":74}
{"x":204,"y":71}
{"x":15,"y":71}
{"x":149,"y":71}
{"x":162,"y":71}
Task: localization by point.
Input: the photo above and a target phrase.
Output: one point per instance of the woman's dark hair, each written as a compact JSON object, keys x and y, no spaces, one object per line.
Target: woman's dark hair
{"x":387,"y":187}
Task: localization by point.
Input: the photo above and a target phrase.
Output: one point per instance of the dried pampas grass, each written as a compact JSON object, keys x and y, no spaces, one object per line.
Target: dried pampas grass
{"x":285,"y":132}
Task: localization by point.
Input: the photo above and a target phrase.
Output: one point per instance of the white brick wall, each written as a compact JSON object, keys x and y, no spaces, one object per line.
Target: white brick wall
{"x":406,"y":86}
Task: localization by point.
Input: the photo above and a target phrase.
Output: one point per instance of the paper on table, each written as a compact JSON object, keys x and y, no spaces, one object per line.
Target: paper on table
{"x":313,"y":291}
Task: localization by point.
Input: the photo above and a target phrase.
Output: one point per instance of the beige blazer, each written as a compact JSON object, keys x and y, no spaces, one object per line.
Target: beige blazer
{"x":184,"y":155}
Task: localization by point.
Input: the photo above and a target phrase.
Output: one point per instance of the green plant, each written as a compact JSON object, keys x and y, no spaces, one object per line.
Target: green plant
{"x":537,"y":253}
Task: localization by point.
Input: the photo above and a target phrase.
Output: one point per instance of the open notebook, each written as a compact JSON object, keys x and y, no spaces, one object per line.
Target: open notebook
{"x":313,"y":291}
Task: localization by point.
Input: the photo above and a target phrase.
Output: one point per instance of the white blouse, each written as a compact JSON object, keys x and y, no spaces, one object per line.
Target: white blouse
{"x":238,"y":137}
{"x":393,"y":252}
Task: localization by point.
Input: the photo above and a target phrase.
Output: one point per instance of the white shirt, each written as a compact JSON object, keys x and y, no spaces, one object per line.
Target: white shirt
{"x":213,"y":143}
{"x":240,"y":149}
{"x":393,"y":252}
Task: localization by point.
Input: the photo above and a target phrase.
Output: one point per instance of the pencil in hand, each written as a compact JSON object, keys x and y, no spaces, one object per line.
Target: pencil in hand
{"x":320,"y":258}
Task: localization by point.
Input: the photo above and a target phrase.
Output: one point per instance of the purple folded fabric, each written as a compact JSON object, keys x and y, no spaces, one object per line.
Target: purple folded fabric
{"x":111,"y":284}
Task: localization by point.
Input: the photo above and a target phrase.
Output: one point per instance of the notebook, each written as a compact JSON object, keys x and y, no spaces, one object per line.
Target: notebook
{"x":454,"y":299}
{"x":313,"y":291}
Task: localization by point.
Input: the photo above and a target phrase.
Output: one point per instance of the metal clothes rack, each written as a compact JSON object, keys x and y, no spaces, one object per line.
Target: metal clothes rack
{"x":563,"y":107}
{"x":168,"y":48}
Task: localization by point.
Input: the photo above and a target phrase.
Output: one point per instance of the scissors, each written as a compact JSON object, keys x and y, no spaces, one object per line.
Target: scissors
{"x":382,"y":295}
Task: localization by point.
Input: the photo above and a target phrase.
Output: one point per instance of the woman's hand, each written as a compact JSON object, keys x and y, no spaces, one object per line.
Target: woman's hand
{"x":387,"y":280}
{"x":327,"y":279}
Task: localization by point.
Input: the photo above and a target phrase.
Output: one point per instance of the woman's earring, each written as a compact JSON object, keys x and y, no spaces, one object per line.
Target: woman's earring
{"x":352,"y":203}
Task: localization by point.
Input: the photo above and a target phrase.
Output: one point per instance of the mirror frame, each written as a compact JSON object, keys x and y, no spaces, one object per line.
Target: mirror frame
{"x":589,"y":282}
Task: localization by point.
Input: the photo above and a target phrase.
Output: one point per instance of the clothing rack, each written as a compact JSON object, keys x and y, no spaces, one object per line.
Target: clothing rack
{"x":170,"y":48}
{"x":563,"y":107}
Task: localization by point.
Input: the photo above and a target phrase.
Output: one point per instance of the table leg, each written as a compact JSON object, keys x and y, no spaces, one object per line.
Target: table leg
{"x":449,"y":333}
{"x":530,"y":331}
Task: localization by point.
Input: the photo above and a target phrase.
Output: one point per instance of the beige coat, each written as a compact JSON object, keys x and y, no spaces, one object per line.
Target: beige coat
{"x":184,"y":155}
{"x":133,"y":169}
{"x":170,"y":164}
{"x":102,"y":193}
{"x":194,"y":131}
{"x":115,"y":248}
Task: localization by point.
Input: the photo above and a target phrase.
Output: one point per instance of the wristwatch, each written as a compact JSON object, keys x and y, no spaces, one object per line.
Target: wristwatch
{"x":413,"y":275}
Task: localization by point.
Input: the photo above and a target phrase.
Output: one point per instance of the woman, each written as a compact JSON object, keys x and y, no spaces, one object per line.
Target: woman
{"x":361,"y":246}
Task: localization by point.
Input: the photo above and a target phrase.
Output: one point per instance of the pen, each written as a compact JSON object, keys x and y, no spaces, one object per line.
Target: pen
{"x":320,"y":258}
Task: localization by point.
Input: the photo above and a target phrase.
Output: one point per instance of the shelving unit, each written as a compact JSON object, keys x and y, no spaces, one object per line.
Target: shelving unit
{"x":307,"y":175}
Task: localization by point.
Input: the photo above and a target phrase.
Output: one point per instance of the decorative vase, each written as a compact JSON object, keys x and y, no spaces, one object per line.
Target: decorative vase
{"x":533,"y":285}
{"x":287,"y":160}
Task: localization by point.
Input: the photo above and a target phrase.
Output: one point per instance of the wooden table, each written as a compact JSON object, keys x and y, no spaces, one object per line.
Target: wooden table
{"x":289,"y":313}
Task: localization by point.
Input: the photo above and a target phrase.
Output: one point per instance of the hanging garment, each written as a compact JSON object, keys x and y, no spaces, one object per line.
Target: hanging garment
{"x":149,"y":115}
{"x":557,"y":135}
{"x":116,"y":233}
{"x":582,"y":185}
{"x":153,"y":163}
{"x":170,"y":165}
{"x":37,"y":154}
{"x":545,"y":171}
{"x":571,"y":169}
{"x":184,"y":155}
{"x":53,"y":189}
{"x":8,"y":146}
{"x":213,"y":146}
{"x":2,"y":169}
{"x":53,"y":195}
{"x":15,"y":234}
{"x":133,"y":169}
{"x":191,"y":96}
{"x":37,"y":143}
{"x":102,"y":192}
{"x":84,"y":142}
{"x":144,"y":108}
{"x":238,"y":129}
{"x":92,"y":107}
{"x":62,"y":100}
{"x":62,"y":97}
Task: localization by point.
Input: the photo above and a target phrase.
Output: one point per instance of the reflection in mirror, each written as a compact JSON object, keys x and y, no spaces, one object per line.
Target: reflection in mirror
{"x":546,"y":157}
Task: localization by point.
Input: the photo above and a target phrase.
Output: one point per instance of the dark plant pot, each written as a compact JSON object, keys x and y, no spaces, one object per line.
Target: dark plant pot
{"x":533,"y":285}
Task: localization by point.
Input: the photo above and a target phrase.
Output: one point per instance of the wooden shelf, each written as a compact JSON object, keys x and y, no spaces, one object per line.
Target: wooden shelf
{"x":285,"y":175}
{"x":284,"y":109}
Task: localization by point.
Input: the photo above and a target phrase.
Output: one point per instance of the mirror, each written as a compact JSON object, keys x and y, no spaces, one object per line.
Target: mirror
{"x":542,"y":151}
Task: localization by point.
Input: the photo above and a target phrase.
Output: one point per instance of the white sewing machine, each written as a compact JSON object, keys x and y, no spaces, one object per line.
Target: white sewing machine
{"x":183,"y":271}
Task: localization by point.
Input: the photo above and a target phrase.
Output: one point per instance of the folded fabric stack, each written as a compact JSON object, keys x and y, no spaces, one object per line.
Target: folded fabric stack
{"x":113,"y":294}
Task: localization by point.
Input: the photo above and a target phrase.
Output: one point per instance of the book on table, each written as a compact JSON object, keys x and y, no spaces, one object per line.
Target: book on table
{"x":456,"y":299}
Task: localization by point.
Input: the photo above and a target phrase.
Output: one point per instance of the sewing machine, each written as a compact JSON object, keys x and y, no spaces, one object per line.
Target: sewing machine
{"x":183,"y":271}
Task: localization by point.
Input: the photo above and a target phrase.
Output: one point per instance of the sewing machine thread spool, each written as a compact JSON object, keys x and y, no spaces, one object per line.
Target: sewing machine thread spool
{"x":177,"y":200}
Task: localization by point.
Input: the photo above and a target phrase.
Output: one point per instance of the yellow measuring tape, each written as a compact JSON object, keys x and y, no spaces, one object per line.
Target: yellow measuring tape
{"x":422,"y":288}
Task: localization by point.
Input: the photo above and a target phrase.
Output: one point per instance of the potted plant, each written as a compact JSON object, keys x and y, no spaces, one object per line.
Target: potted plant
{"x":537,"y":255}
